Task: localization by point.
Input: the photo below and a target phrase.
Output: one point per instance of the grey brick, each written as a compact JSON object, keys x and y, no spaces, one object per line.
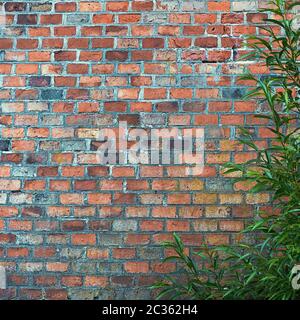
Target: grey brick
{"x":51,"y":94}
{"x":110,"y":268}
{"x":51,"y":120}
{"x":20,"y":198}
{"x":3,"y":198}
{"x":155,"y":18}
{"x":152,"y":119}
{"x":173,"y":5}
{"x":233,"y":93}
{"x":72,"y":253}
{"x":14,"y":31}
{"x":244,"y":5}
{"x":81,"y":294}
{"x":74,"y":145}
{"x":165,"y":81}
{"x":110,"y":239}
{"x":2,"y":278}
{"x":29,"y":239}
{"x":103,"y":120}
{"x":124,"y":225}
{"x":49,"y":145}
{"x":218,"y":185}
{"x":78,"y":18}
{"x":4,"y":145}
{"x":84,"y":267}
{"x":150,"y":253}
{"x":24,"y":172}
{"x":31,"y":266}
{"x":42,"y":198}
{"x":192,"y":81}
{"x":191,"y":5}
{"x":142,"y":293}
{"x":40,"y":7}
{"x":108,"y":294}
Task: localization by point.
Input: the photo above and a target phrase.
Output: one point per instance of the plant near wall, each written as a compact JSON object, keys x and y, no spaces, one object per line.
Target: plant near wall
{"x":262,"y":270}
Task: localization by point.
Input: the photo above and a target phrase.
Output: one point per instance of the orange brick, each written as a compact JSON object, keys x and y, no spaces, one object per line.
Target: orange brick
{"x":84,"y":239}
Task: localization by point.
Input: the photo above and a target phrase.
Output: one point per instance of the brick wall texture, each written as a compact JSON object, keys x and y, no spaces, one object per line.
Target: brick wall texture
{"x":71,"y":228}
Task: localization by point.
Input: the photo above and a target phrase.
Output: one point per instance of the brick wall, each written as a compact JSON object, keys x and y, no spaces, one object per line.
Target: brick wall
{"x":71,"y":228}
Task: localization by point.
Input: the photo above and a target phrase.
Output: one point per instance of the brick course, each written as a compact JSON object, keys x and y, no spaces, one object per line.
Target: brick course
{"x":71,"y":228}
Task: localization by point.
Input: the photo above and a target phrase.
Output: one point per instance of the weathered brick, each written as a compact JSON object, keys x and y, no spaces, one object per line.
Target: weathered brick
{"x":27,"y":19}
{"x":124,"y":225}
{"x":136,"y":267}
{"x":12,"y":185}
{"x":4,"y":145}
{"x":51,"y":94}
{"x":245,"y":5}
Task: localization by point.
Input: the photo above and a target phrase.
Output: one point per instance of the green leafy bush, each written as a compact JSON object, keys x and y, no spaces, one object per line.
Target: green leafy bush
{"x":262,"y":270}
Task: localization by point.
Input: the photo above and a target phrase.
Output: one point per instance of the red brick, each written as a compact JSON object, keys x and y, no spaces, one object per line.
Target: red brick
{"x":84,"y":239}
{"x":136,"y":267}
{"x":17,"y":252}
{"x":71,"y":281}
{"x":56,"y":294}
{"x":95,"y":281}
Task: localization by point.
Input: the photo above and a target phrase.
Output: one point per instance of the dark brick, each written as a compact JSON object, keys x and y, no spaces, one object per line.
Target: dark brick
{"x":123,"y":281}
{"x":233,"y":93}
{"x":192,"y":81}
{"x":51,"y":94}
{"x":65,"y":55}
{"x":116,"y":55}
{"x":39,"y":81}
{"x":42,"y":198}
{"x":27,"y":19}
{"x":32,"y":211}
{"x":73,"y":225}
{"x":194,"y":106}
{"x":132,"y":119}
{"x":4,"y":145}
{"x":15,"y":6}
{"x":167,"y":106}
{"x":36,"y":158}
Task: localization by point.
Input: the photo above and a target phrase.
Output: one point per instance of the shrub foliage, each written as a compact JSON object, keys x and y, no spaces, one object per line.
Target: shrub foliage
{"x":263,"y":269}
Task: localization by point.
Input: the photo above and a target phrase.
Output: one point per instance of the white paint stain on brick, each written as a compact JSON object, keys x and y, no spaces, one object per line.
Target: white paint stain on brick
{"x":2,"y":278}
{"x":244,"y":5}
{"x":2,"y":16}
